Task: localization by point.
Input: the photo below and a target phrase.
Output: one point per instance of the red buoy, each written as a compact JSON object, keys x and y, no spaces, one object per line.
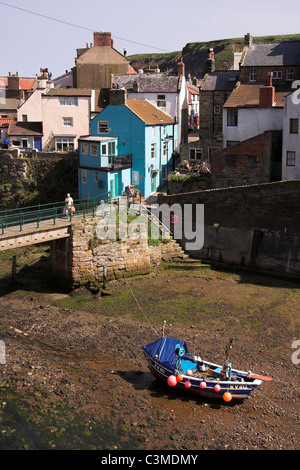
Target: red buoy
{"x":172,"y":381}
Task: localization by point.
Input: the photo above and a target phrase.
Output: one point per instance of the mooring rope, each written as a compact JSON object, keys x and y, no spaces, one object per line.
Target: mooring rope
{"x":140,"y":306}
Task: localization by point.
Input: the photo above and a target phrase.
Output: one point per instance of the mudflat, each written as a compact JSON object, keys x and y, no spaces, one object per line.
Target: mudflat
{"x":75,"y":376}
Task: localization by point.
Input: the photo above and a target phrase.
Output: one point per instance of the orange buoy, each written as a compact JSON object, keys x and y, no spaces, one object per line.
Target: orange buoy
{"x":172,"y":381}
{"x":227,"y":397}
{"x":189,"y":372}
{"x":179,"y":378}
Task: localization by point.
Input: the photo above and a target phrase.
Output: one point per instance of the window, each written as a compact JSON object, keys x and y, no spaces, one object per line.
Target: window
{"x":196,"y":154}
{"x":290,"y":158}
{"x":67,"y":121}
{"x":294,"y":124}
{"x":64,"y":144}
{"x":94,"y":150}
{"x":84,"y":176}
{"x":152,"y":150}
{"x":96,"y":176}
{"x":111,"y":148}
{"x":217,"y":109}
{"x":24,"y":143}
{"x":290,"y":73}
{"x":277,"y":74}
{"x":104,"y":149}
{"x":103,"y":127}
{"x":165,"y":149}
{"x":164,"y":131}
{"x":153,"y":132}
{"x":84,"y":148}
{"x":253,"y":74}
{"x":135,"y":177}
{"x":68,"y":101}
{"x":232,"y":117}
{"x":161,"y":101}
{"x":24,"y":117}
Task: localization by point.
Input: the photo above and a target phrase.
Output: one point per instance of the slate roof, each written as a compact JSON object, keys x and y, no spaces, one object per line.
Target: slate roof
{"x":25,"y":128}
{"x":247,"y":96}
{"x":276,"y":54}
{"x":149,"y":82}
{"x":220,"y":80}
{"x":148,"y":113}
{"x":9,"y":104}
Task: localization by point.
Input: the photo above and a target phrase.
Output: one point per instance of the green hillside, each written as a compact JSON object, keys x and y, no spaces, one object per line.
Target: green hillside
{"x":195,"y":54}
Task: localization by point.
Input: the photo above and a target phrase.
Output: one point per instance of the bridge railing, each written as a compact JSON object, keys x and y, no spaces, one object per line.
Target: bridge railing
{"x":48,"y":212}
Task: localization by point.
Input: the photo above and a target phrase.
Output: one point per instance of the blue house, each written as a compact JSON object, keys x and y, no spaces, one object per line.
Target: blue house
{"x":131,"y":143}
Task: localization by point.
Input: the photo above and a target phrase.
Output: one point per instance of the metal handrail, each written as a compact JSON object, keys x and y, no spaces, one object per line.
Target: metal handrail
{"x":37,"y":214}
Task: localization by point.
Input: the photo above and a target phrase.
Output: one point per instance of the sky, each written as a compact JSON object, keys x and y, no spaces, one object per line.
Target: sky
{"x":42,"y":39}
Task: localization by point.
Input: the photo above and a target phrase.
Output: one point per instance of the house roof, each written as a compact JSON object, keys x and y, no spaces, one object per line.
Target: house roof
{"x":149,"y":82}
{"x":25,"y":82}
{"x":4,"y":122}
{"x":9,"y":104}
{"x":276,"y":54}
{"x":220,"y":80}
{"x":148,"y":113}
{"x":25,"y":128}
{"x":247,"y":96}
{"x":68,"y":92}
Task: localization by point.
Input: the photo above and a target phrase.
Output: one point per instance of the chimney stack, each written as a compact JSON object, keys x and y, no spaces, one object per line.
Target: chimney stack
{"x":103,"y":39}
{"x":211,"y":63}
{"x":118,"y":96}
{"x":266,"y":96}
{"x":181,"y":68}
{"x":248,"y":40}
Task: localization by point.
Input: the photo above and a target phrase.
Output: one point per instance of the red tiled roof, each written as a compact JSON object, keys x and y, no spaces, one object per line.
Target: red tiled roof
{"x":246,"y":96}
{"x":25,"y":83}
{"x":4,"y":122}
{"x":148,"y":113}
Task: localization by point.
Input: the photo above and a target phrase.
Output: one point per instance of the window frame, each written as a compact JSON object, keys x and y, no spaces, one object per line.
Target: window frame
{"x":67,"y":119}
{"x":102,"y":126}
{"x":232,"y":117}
{"x":94,"y":150}
{"x":82,"y":146}
{"x":290,"y":158}
{"x":68,"y":100}
{"x":253,"y":74}
{"x":197,"y":150}
{"x":161,"y":101}
{"x":294,"y":126}
{"x":153,"y":151}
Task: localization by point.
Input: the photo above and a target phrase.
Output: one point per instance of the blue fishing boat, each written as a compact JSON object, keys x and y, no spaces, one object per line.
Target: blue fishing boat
{"x":169,"y":360}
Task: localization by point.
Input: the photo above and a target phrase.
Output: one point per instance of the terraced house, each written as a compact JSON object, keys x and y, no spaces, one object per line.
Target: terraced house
{"x":131,"y":143}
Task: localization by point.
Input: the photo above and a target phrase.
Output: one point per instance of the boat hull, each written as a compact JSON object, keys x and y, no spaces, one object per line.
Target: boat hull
{"x":238,"y":390}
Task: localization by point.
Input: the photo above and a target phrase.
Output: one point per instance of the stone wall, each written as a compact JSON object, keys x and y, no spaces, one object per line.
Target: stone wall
{"x":37,"y":178}
{"x":82,"y":257}
{"x":256,"y":226}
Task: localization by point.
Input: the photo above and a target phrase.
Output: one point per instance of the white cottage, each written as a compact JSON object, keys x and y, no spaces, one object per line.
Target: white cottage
{"x":291,"y":137}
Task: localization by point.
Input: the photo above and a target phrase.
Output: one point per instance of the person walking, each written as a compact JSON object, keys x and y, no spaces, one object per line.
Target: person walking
{"x":68,"y":204}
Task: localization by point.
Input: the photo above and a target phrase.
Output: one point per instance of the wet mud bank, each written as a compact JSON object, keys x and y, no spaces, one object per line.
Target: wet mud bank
{"x":75,"y":376}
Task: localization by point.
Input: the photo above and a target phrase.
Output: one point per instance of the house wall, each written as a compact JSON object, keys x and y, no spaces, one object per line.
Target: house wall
{"x":263,"y":74}
{"x":52,"y":120}
{"x":136,"y":138}
{"x":32,"y":108}
{"x":252,"y":122}
{"x":291,"y":142}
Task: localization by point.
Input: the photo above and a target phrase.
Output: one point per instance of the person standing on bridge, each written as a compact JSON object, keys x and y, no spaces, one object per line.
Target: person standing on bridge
{"x":68,"y":204}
